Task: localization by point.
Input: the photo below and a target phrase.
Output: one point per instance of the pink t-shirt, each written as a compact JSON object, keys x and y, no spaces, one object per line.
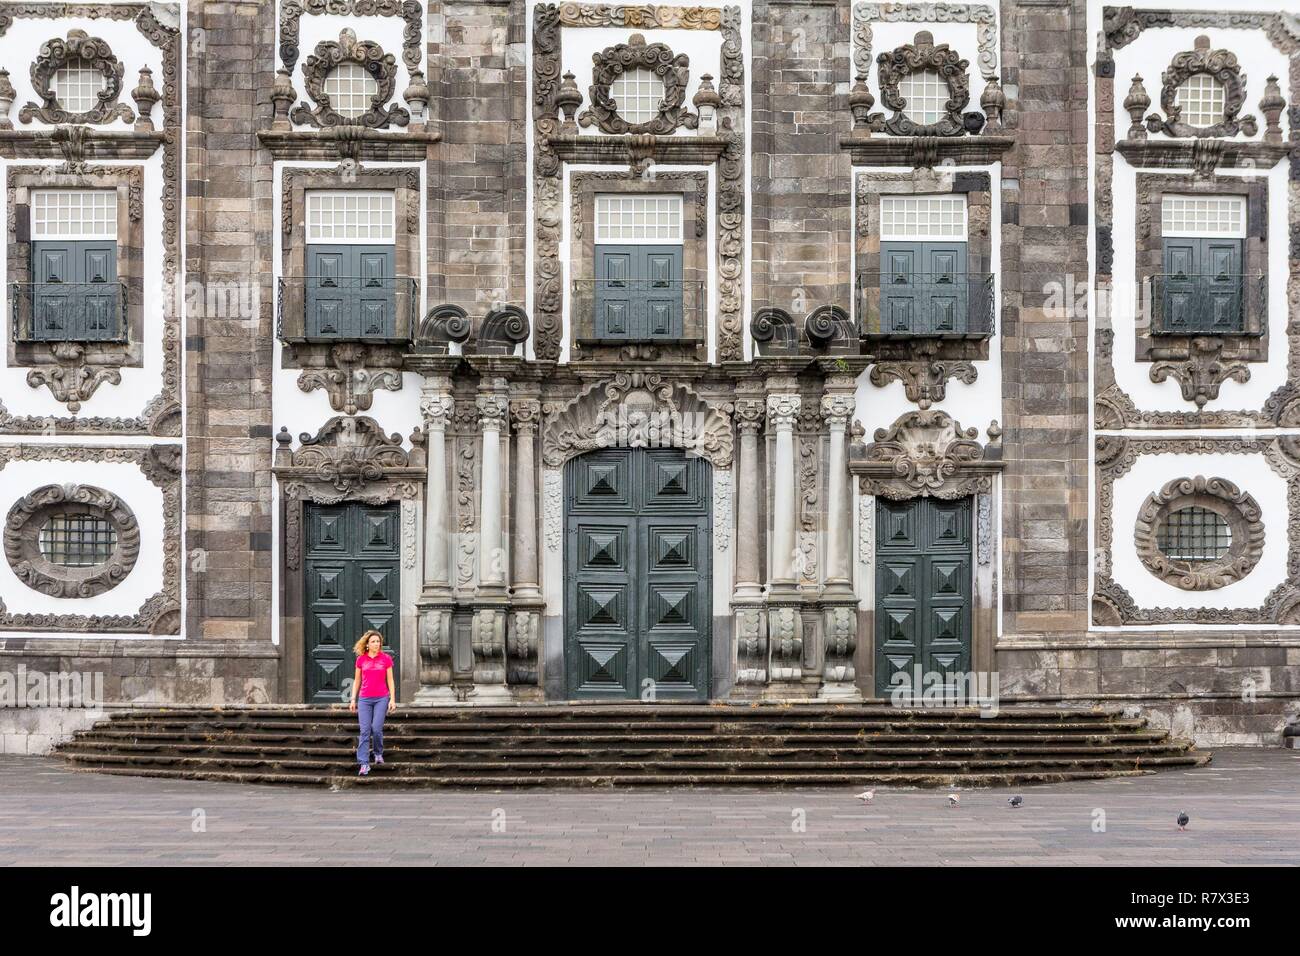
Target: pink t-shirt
{"x":374,"y":682}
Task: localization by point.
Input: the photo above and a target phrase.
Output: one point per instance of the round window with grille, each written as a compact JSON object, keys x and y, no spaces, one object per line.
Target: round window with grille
{"x":637,"y":95}
{"x":71,"y":541}
{"x":1199,"y":533}
{"x":1201,"y":99}
{"x":925,"y":94}
{"x":77,"y":85}
{"x":351,"y":89}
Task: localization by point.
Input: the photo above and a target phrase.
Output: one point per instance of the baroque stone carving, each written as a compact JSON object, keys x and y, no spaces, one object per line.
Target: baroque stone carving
{"x":915,"y":57}
{"x":1203,"y":371}
{"x":637,"y":410}
{"x":28,"y":517}
{"x":553,"y":509}
{"x":350,"y":453}
{"x":722,"y":509}
{"x":411,"y":11}
{"x":1236,"y":507}
{"x":673,"y":70}
{"x":928,"y":453}
{"x":924,"y":378}
{"x":1223,"y":67}
{"x":56,"y":54}
{"x":359,"y":371}
{"x":370,"y":56}
{"x":72,"y":381}
{"x":983,"y":16}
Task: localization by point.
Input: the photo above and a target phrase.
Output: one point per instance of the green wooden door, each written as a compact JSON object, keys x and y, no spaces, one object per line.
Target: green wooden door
{"x":923,"y":588}
{"x":352,"y":573}
{"x":351,"y":292}
{"x":638,"y":575}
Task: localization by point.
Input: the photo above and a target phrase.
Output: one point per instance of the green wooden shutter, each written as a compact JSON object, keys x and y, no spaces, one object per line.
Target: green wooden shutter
{"x":75,"y":295}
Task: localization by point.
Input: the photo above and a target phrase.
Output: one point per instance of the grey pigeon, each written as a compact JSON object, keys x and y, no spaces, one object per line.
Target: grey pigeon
{"x":866,"y":796}
{"x":954,"y":799}
{"x":1016,"y":801}
{"x":1183,"y":819}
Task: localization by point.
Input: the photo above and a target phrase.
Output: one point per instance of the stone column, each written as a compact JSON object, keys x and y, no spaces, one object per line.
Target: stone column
{"x":435,"y":603}
{"x":490,"y":599}
{"x":747,"y":601}
{"x":524,"y":626}
{"x":839,"y":603}
{"x":784,"y":621}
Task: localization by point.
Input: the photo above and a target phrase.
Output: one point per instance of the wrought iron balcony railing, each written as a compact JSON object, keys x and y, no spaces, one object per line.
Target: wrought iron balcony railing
{"x":346,"y":309}
{"x":1205,"y":304}
{"x":632,"y":310}
{"x":68,"y":311}
{"x":957,"y":305}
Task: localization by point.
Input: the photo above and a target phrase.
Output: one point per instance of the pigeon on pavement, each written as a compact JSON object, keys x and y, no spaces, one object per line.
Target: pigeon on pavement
{"x":1016,"y":801}
{"x":866,"y":796}
{"x":953,"y":799}
{"x":1183,"y":819}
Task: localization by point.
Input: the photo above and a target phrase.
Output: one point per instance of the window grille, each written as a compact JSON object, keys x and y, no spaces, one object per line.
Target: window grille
{"x":351,"y":89}
{"x":78,"y":540}
{"x":1194,"y":534}
{"x":637,"y":95}
{"x":77,"y":85}
{"x":1209,"y":216}
{"x":925,"y":94}
{"x":74,"y":214}
{"x":1201,"y":99}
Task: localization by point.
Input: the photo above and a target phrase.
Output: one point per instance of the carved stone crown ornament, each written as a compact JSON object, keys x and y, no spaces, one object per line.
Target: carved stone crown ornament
{"x":1222,"y":66}
{"x":359,"y":371}
{"x":672,"y":69}
{"x":83,"y":50}
{"x":31,"y":513}
{"x":348,"y":454}
{"x":916,"y":57}
{"x":1237,"y":508}
{"x":927,"y":454}
{"x":370,"y":56}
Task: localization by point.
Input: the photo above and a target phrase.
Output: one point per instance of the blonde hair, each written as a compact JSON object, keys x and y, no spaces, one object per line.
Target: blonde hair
{"x":359,"y":647}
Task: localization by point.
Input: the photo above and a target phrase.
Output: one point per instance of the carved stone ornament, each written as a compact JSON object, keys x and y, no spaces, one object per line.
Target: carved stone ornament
{"x":411,"y":11}
{"x":915,"y":57}
{"x":1222,"y":66}
{"x":93,"y":53}
{"x":924,"y":378}
{"x":672,"y":69}
{"x":1203,"y":371}
{"x":349,"y":453}
{"x":1236,"y":507}
{"x":370,"y":56}
{"x":72,"y":381}
{"x":359,"y":371}
{"x":637,"y":410}
{"x":30,"y":565}
{"x":927,"y":454}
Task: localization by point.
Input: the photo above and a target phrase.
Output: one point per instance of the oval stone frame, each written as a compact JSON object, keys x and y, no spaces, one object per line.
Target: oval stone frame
{"x":22,"y":540}
{"x":1236,"y":507}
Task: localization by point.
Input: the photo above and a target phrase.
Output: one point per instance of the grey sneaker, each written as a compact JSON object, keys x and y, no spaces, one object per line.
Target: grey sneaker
{"x":379,"y":758}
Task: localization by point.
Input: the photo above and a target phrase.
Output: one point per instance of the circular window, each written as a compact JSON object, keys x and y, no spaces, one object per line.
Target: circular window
{"x":1201,"y":99}
{"x":924,"y":94}
{"x":637,"y":95}
{"x":1199,"y":533}
{"x":71,"y":541}
{"x":351,"y":90}
{"x":77,"y":85}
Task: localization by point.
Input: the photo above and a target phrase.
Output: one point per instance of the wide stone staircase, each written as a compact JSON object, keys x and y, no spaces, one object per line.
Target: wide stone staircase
{"x":584,"y":745}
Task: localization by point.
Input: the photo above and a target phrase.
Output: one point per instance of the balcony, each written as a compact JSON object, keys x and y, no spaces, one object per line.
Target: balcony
{"x":1205,"y":304}
{"x":329,"y":309}
{"x":68,"y":311}
{"x":925,"y":305}
{"x":609,"y":311}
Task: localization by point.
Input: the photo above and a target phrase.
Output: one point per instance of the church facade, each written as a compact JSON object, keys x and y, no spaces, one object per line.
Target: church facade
{"x":791,"y":350}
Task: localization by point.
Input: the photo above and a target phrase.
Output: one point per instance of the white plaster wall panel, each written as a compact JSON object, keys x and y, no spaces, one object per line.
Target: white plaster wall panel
{"x":317,"y":28}
{"x":1251,"y":474}
{"x":19,"y":478}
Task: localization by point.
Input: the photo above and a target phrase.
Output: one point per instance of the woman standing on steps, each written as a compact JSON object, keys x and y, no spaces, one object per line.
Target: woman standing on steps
{"x":373,"y":681}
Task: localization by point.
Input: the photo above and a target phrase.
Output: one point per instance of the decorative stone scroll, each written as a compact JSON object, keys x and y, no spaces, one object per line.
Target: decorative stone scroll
{"x":982,"y":15}
{"x":1223,"y":67}
{"x":30,"y":565}
{"x":348,"y":454}
{"x":371,"y":57}
{"x":925,"y":378}
{"x":359,"y":371}
{"x":672,"y":69}
{"x":56,"y":54}
{"x":411,"y":11}
{"x":1241,"y":512}
{"x":927,"y":454}
{"x":637,"y":410}
{"x":915,"y":57}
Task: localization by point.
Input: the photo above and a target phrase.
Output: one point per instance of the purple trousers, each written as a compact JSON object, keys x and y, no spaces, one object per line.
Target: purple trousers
{"x":371,"y":712}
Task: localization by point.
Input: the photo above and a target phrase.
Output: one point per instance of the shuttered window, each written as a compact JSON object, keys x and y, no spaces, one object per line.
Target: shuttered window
{"x":638,"y":289}
{"x":75,"y":295}
{"x":1202,"y":285}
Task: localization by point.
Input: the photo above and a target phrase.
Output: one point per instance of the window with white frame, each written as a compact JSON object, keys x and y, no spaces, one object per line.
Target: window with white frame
{"x":925,"y":94}
{"x":644,"y":220}
{"x":1201,"y":99}
{"x":77,"y":85}
{"x":637,"y":95}
{"x":74,"y":214}
{"x":351,"y":89}
{"x":1203,"y":216}
{"x":921,"y":218}
{"x":349,"y":215}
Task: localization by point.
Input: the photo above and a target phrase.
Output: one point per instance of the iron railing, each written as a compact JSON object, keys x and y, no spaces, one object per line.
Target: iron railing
{"x":346,"y":309}
{"x":1205,"y":304}
{"x":68,"y":311}
{"x":656,"y":310}
{"x":959,"y":305}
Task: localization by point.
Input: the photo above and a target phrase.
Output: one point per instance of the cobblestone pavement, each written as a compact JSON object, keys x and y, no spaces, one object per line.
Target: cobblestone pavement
{"x":1243,"y":808}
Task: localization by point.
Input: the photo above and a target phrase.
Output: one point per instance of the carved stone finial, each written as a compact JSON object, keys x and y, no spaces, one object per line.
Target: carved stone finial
{"x":7,"y":94}
{"x":1136,"y":103}
{"x":145,"y":95}
{"x":282,"y":97}
{"x":416,"y":95}
{"x":1272,"y":106}
{"x":707,"y":101}
{"x":860,"y":103}
{"x":993,"y":101}
{"x":1202,"y":42}
{"x":568,"y":98}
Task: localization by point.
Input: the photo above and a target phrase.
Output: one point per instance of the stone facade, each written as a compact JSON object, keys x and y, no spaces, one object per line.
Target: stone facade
{"x":779,"y":129}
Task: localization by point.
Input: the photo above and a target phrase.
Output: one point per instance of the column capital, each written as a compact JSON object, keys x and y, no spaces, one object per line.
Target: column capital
{"x":837,"y":409}
{"x":749,"y":415}
{"x":437,"y":408}
{"x":524,"y":413}
{"x":492,"y":411}
{"x":782,"y":410}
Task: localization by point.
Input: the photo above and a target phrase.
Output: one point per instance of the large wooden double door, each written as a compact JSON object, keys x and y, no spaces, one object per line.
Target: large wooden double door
{"x":638,"y":575}
{"x":923,"y":589}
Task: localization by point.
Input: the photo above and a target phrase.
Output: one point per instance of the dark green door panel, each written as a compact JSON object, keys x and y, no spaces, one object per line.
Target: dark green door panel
{"x":352,"y":585}
{"x":638,"y":575}
{"x":1202,"y":285}
{"x":638,"y":292}
{"x":923,"y":588}
{"x":74,"y":290}
{"x":923,"y":288}
{"x":351,"y":291}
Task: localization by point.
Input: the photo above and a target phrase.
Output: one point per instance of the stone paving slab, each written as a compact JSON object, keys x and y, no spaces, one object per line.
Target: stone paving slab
{"x":1243,"y":807}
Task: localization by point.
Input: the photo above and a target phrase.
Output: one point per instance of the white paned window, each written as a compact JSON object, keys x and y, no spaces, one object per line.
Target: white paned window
{"x":351,"y":89}
{"x":1201,"y":99}
{"x":74,"y":214}
{"x":1203,"y":216}
{"x":637,"y":95}
{"x":349,"y":215}
{"x":77,"y":86}
{"x":644,"y":220}
{"x":917,"y":218}
{"x":925,"y":93}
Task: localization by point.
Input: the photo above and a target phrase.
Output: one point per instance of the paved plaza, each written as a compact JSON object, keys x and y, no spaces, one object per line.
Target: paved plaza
{"x":1244,"y":810}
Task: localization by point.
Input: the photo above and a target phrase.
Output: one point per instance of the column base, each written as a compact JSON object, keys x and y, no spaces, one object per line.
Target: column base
{"x":751,"y":648}
{"x":523,"y":648}
{"x":785,"y":634}
{"x":434,"y":637}
{"x":488,"y":640}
